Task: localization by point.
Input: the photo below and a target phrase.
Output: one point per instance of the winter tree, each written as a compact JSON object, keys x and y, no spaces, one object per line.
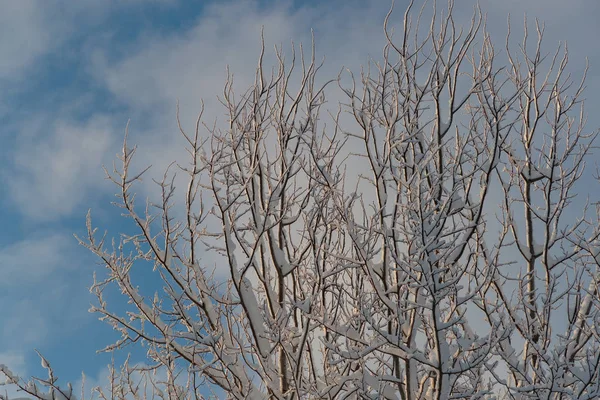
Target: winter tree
{"x":426,"y":240}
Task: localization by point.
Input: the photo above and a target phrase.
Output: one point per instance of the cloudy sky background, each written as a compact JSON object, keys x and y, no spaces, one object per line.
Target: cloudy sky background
{"x":72,"y":73}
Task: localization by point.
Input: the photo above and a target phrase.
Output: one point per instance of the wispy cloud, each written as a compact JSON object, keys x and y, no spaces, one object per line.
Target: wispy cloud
{"x":24,"y":36}
{"x":34,"y":260}
{"x":56,"y":163}
{"x":40,"y":289}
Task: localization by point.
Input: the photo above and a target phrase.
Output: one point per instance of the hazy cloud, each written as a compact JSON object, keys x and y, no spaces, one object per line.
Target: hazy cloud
{"x":56,"y":165}
{"x":33,"y":260}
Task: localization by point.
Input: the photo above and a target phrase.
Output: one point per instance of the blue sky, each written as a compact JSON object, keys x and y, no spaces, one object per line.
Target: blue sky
{"x":72,"y":73}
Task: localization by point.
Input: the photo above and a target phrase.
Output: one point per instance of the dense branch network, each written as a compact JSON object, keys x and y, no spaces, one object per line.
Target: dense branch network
{"x":422,"y":244}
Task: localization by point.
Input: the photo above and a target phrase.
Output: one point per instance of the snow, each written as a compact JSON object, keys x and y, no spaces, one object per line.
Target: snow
{"x":281,"y":260}
{"x":304,"y":305}
{"x":322,"y":169}
{"x":538,"y":248}
{"x":463,"y":100}
{"x":536,"y":173}
{"x":444,"y":126}
{"x":488,"y":165}
{"x":44,"y":362}
{"x":210,"y":340}
{"x":381,"y":191}
{"x":595,"y":250}
{"x":379,"y":387}
{"x":377,"y":268}
{"x":255,"y":317}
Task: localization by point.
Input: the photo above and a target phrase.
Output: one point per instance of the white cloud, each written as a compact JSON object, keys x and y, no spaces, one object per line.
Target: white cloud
{"x":30,"y":29}
{"x":16,"y":363}
{"x":34,"y":279}
{"x":190,"y":66}
{"x":55,"y":166}
{"x":57,"y":170}
{"x":23,"y":321}
{"x":57,"y":161}
{"x":24,"y":36}
{"x":33,"y":260}
{"x":15,"y":360}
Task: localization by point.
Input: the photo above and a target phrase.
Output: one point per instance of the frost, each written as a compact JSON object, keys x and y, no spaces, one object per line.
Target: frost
{"x":167,"y":259}
{"x":10,"y":376}
{"x":308,"y":308}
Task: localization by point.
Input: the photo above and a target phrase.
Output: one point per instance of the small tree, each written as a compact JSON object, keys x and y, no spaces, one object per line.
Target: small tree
{"x":428,"y":249}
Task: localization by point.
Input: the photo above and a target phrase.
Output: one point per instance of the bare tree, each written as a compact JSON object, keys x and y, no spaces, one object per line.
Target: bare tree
{"x":428,"y":247}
